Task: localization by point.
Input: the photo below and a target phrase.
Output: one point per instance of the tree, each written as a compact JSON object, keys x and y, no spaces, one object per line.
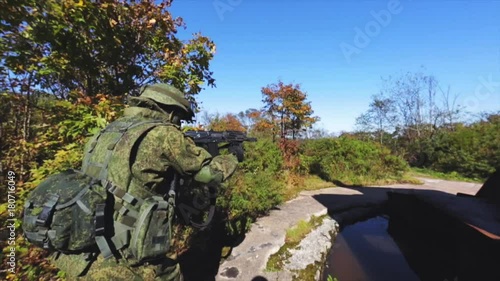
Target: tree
{"x":287,"y":108}
{"x":451,"y":111}
{"x":247,"y":117}
{"x":417,"y":113}
{"x":260,"y":124}
{"x":65,"y":66}
{"x":91,"y":47}
{"x":407,"y":113}
{"x":228,"y":122}
{"x":78,"y":50}
{"x":380,"y":117}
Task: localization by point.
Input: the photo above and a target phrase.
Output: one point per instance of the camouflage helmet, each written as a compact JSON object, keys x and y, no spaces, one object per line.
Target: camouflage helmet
{"x":164,"y":94}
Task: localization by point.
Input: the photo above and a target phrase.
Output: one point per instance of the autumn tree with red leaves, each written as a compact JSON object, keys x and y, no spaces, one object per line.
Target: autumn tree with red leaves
{"x":228,"y":122}
{"x":287,"y":109}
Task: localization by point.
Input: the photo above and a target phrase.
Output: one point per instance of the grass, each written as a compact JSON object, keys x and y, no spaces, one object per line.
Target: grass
{"x":313,"y":182}
{"x":368,"y":181}
{"x":453,"y":176}
{"x":293,"y":237}
{"x":295,"y":234}
{"x":411,"y":180}
{"x":303,"y":183}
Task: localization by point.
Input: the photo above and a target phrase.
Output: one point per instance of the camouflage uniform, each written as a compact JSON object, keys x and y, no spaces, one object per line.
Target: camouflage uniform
{"x":143,"y":164}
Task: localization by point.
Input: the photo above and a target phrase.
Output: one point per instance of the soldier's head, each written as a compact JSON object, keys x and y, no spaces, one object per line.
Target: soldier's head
{"x":165,"y":99}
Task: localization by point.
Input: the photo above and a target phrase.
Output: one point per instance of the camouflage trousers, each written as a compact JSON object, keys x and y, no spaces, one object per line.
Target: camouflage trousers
{"x":116,"y":270}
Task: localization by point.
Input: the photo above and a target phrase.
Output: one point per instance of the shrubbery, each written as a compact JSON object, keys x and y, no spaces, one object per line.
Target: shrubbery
{"x":256,"y":187}
{"x":350,"y":161}
{"x":56,"y":144}
{"x":263,"y":180}
{"x":472,"y":151}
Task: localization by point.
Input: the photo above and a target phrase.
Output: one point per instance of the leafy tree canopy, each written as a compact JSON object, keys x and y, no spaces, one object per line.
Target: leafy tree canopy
{"x":64,"y":47}
{"x":287,"y":107}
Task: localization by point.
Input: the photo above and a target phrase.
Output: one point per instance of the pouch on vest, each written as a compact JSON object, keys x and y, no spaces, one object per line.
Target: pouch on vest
{"x":152,"y":231}
{"x":60,"y":213}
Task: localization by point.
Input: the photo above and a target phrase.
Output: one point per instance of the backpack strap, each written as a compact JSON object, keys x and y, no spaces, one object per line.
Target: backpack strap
{"x":47,"y":210}
{"x":100,"y":239}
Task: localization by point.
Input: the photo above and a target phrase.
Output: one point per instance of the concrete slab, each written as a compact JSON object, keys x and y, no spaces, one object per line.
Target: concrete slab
{"x":248,"y":260}
{"x":470,"y":210}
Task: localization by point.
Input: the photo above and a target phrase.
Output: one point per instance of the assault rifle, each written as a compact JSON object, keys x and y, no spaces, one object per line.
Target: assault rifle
{"x":213,"y":141}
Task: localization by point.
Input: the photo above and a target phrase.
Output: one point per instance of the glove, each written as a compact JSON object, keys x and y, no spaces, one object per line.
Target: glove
{"x":218,"y":170}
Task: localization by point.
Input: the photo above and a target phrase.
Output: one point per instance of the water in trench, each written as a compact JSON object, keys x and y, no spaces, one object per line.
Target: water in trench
{"x":377,"y":250}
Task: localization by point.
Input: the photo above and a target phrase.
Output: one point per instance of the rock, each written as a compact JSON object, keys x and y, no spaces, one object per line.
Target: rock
{"x":314,"y":247}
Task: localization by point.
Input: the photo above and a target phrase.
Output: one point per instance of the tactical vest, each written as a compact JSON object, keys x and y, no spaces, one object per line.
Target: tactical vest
{"x":142,"y":220}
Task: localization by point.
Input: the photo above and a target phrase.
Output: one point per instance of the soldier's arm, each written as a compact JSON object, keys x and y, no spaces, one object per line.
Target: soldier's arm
{"x":194,"y":161}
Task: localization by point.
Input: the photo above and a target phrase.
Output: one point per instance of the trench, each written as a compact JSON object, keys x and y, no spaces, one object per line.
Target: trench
{"x":381,"y":248}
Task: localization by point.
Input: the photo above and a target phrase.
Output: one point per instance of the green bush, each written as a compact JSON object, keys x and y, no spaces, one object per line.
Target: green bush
{"x":256,"y":187}
{"x":262,"y":155}
{"x":471,"y":151}
{"x":350,"y":161}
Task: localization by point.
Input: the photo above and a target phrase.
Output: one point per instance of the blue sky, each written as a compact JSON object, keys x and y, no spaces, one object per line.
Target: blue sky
{"x":304,"y":42}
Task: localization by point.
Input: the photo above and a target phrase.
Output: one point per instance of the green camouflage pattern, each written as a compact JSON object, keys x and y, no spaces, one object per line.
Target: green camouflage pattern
{"x":115,"y":270}
{"x":73,"y":227}
{"x":152,"y":235}
{"x":143,"y":164}
{"x":167,"y":95}
{"x":161,"y":150}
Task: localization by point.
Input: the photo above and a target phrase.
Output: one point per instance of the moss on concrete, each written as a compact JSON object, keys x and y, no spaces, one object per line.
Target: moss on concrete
{"x":294,"y":235}
{"x":309,"y":273}
{"x":312,"y":270}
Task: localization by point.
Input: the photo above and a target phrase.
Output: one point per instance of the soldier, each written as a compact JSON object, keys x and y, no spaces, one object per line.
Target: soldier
{"x":141,"y":155}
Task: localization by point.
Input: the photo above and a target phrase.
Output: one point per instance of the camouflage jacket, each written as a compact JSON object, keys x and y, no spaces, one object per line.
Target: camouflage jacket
{"x":147,"y":156}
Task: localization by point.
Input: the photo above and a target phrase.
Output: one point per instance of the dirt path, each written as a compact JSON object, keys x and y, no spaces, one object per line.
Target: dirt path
{"x":248,"y":260}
